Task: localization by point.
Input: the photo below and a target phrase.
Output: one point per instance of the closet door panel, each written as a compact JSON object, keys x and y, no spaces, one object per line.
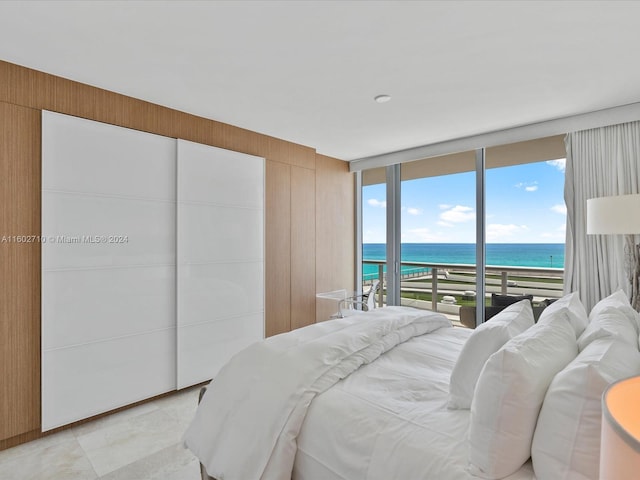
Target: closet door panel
{"x":94,"y":305}
{"x":220,"y":290}
{"x":99,"y":158}
{"x":100,"y":231}
{"x":233,"y":234}
{"x":108,"y":267}
{"x":231,"y":335}
{"x":220,"y":259}
{"x":96,"y":377}
{"x":216,"y":176}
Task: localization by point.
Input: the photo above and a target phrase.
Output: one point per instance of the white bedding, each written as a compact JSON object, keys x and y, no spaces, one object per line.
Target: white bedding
{"x":247,"y":424}
{"x":389,"y":419}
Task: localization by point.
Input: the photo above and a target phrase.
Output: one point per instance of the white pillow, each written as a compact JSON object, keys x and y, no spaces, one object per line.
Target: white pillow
{"x":509,"y":394}
{"x":620,"y":301}
{"x":566,"y":444}
{"x":610,"y":322}
{"x":571,"y":307}
{"x":485,"y":340}
{"x":612,"y":316}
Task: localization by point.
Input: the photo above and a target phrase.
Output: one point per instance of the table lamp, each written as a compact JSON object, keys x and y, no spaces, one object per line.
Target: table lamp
{"x":619,"y":215}
{"x":620,"y":437}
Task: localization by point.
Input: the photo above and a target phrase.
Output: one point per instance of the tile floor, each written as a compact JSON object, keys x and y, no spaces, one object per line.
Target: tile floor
{"x":141,"y":443}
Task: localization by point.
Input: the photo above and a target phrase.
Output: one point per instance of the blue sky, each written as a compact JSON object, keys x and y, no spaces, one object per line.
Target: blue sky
{"x":524,"y":204}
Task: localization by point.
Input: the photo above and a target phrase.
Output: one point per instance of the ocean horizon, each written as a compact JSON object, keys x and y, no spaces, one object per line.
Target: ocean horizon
{"x":541,"y":255}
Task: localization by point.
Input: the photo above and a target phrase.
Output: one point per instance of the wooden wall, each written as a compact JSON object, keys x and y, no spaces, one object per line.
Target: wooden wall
{"x":309,"y":240}
{"x":335,"y":230}
{"x":19,"y":270}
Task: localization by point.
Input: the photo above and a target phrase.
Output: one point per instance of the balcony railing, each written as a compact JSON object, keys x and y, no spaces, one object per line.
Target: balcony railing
{"x":445,"y":287}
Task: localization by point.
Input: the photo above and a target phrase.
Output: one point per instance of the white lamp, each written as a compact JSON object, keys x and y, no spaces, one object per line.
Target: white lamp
{"x":620,"y":438}
{"x":619,"y":215}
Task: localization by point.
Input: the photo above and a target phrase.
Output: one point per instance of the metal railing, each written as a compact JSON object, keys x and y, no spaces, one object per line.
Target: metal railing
{"x":458,"y":280}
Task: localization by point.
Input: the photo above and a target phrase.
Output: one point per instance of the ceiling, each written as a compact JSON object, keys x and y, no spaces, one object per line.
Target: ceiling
{"x":307,"y":71}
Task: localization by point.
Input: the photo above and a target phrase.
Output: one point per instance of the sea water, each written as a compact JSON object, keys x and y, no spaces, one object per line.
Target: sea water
{"x":541,"y":255}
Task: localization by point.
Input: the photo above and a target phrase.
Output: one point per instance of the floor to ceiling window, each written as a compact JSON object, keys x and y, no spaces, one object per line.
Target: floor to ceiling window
{"x":523,"y":227}
{"x":438,"y":234}
{"x":525,"y":224}
{"x":374,"y":228}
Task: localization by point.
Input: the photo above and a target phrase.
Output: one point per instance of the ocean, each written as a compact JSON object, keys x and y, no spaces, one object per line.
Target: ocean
{"x":542,"y":255}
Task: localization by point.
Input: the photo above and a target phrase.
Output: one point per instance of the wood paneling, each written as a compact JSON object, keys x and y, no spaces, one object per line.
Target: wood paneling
{"x":335,"y":230}
{"x":20,"y":214}
{"x":303,"y":242}
{"x":23,"y":86}
{"x":278,"y":248}
{"x":19,"y":270}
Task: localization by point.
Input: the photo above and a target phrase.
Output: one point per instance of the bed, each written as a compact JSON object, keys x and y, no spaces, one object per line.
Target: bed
{"x":389,"y":414}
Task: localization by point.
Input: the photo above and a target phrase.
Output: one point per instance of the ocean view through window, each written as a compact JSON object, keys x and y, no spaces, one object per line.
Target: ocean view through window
{"x":524,"y":229}
{"x":543,"y":255}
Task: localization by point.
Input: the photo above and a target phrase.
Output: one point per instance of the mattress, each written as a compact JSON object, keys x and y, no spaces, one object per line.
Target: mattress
{"x":389,"y":419}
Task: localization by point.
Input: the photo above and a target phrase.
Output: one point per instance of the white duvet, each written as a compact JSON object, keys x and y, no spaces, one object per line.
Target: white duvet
{"x":247,"y":425}
{"x":389,"y":420}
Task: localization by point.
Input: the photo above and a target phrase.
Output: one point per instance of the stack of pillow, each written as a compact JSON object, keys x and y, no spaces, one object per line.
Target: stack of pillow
{"x":535,"y":390}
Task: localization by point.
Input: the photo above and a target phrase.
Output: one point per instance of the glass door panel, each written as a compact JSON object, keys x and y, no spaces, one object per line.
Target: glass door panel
{"x":374,"y":236}
{"x":438,"y":235}
{"x":525,"y":227}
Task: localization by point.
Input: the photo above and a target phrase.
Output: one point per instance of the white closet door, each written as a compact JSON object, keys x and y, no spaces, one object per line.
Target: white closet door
{"x":108,"y":267}
{"x":220,"y":257}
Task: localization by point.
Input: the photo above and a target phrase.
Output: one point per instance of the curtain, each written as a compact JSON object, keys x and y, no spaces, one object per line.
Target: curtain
{"x":600,"y":162}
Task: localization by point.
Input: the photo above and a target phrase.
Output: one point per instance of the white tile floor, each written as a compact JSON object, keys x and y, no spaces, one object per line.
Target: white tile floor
{"x":141,"y":443}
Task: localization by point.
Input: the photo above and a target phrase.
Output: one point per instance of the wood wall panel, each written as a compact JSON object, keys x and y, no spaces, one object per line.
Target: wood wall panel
{"x":278,"y":248}
{"x":303,"y":241}
{"x":30,"y":88}
{"x":23,"y":87}
{"x":19,"y":270}
{"x":335,"y":230}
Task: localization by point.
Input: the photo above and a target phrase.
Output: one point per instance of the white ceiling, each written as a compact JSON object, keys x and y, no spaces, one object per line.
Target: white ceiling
{"x":307,"y":71}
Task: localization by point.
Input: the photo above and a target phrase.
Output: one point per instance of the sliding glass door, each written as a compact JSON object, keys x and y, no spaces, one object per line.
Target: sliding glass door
{"x":374,"y":230}
{"x":438,"y":236}
{"x":472,"y":224}
{"x":525,"y":232}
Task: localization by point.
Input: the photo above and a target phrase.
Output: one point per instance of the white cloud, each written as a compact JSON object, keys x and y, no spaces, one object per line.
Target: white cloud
{"x":445,"y":224}
{"x":458,"y":214}
{"x":528,"y":187}
{"x":500,"y":232}
{"x":560,"y":208}
{"x":560,"y":164}
{"x":377,"y":203}
{"x":444,"y":206}
{"x":414,"y":211}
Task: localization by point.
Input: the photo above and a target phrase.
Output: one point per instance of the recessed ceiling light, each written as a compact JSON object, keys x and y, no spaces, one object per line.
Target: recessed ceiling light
{"x":382,"y":98}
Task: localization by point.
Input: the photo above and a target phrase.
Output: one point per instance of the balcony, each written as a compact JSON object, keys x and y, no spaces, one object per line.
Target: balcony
{"x":446,"y":287}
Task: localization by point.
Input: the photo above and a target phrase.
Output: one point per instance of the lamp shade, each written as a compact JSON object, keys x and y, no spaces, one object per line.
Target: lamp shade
{"x":620,"y":440}
{"x":614,"y":215}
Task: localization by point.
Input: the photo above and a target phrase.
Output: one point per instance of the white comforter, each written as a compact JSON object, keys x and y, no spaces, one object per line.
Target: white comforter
{"x":389,"y":420}
{"x":247,"y":424}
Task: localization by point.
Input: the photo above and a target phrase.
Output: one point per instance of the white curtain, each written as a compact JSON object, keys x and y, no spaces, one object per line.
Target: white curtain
{"x":600,"y":162}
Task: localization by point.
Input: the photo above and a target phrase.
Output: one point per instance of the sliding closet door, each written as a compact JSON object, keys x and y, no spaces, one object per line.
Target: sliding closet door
{"x":108,"y":267}
{"x":220,"y":257}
